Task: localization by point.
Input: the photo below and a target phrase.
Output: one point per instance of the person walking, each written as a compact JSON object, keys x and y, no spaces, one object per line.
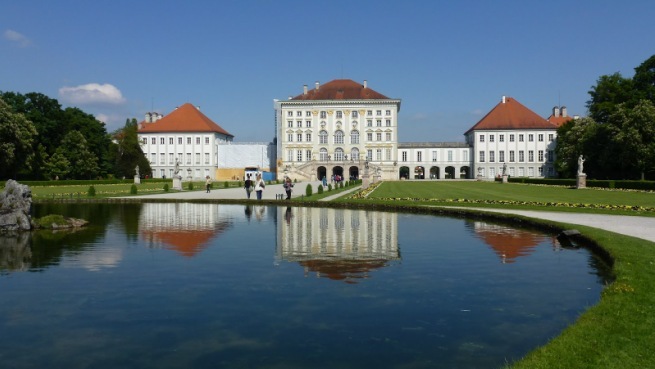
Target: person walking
{"x":259,"y":186}
{"x":288,"y":185}
{"x":208,"y":183}
{"x":248,"y":185}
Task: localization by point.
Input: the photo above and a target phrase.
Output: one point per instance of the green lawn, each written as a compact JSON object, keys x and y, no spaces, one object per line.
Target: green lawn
{"x":513,"y":195}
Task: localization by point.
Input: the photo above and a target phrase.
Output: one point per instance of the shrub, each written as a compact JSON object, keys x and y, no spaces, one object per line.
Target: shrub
{"x":329,"y":187}
{"x":165,"y":187}
{"x":133,"y":190}
{"x":226,"y":184}
{"x":92,"y":191}
{"x":320,"y":189}
{"x":308,"y":190}
{"x":340,"y":184}
{"x":295,"y":180}
{"x":190,"y":186}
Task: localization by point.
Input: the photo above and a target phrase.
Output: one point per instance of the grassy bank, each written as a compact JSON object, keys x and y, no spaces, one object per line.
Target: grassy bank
{"x":619,"y":331}
{"x":518,"y":196}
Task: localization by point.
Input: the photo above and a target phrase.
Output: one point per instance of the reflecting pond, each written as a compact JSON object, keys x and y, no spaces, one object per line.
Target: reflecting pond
{"x":183,"y":285}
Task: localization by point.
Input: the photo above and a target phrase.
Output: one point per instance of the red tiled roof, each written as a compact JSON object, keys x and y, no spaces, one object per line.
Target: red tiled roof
{"x":341,"y":89}
{"x":186,"y":118}
{"x":559,"y":120}
{"x":511,"y":115}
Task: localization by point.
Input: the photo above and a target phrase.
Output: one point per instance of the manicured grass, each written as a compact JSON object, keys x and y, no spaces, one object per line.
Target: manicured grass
{"x":520,"y":196}
{"x":114,"y":190}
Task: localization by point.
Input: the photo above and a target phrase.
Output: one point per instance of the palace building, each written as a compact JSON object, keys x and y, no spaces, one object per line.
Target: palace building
{"x":345,"y":128}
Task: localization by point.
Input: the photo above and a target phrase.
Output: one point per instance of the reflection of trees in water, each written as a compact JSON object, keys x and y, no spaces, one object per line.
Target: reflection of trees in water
{"x":15,"y":252}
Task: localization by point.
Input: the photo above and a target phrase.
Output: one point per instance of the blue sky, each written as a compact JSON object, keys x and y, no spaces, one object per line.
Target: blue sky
{"x":448,"y":61}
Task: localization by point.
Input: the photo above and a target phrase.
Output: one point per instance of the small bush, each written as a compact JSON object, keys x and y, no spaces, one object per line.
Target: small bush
{"x":308,"y":190}
{"x":190,"y":186}
{"x":320,"y":189}
{"x":340,"y":184}
{"x":295,"y":180}
{"x":165,"y":187}
{"x":329,"y":187}
{"x":133,"y":190}
{"x":92,"y":191}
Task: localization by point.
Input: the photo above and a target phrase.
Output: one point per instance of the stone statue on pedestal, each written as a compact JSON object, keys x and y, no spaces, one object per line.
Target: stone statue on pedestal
{"x":581,"y":161}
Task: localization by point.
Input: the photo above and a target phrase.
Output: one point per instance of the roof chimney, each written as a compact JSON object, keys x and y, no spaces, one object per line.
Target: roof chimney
{"x":365,"y":84}
{"x":316,"y":85}
{"x":504,"y":99}
{"x":304,"y":89}
{"x":198,"y":107}
{"x":556,"y":111}
{"x":563,"y":111}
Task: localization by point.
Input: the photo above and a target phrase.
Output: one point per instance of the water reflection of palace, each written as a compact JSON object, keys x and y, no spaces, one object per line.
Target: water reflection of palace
{"x":508,"y":243}
{"x":338,"y":244}
{"x":184,"y":227}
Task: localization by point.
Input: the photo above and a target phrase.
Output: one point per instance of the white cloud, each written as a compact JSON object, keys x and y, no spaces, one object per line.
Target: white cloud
{"x":104,"y":118}
{"x":477,"y":112}
{"x":91,"y":93}
{"x":17,"y":37}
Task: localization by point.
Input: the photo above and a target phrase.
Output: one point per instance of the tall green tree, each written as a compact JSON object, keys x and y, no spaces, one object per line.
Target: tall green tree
{"x":635,"y":136}
{"x":17,"y":136}
{"x":127,"y":152}
{"x":644,"y":79}
{"x":610,"y":91}
{"x":95,"y":134}
{"x":83,"y":163}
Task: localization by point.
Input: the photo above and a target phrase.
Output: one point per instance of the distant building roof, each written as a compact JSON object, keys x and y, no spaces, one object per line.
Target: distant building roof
{"x":340,"y":89}
{"x":510,"y":114}
{"x":186,"y":118}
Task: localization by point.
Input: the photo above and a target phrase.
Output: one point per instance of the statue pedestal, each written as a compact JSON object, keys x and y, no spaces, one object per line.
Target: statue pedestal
{"x":366,"y":180}
{"x":177,"y":183}
{"x":505,"y":176}
{"x":582,"y":181}
{"x":137,"y":179}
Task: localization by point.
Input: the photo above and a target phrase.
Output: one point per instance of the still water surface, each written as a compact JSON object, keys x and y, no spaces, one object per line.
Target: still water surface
{"x":233,"y":286}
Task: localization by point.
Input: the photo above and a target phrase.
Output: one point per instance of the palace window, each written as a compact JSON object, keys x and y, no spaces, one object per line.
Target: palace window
{"x":403,"y":156}
{"x":511,"y":156}
{"x":323,"y":137}
{"x":197,"y":158}
{"x":501,"y":156}
{"x":481,"y":156}
{"x":289,"y":113}
{"x":521,"y":156}
{"x":378,"y":136}
{"x":308,"y":155}
{"x":481,"y":138}
{"x":369,"y":136}
{"x":170,"y":140}
{"x":378,"y":122}
{"x":550,"y":155}
{"x":354,"y":114}
{"x":369,"y":113}
{"x":188,"y":140}
{"x":290,"y":124}
{"x":531,"y":155}
{"x":501,"y":138}
{"x":550,"y":137}
{"x":450,"y":155}
{"x":378,"y":112}
{"x":434,"y":155}
{"x":511,"y":138}
{"x":289,"y":155}
{"x":491,"y":138}
{"x":541,"y":137}
{"x":388,"y":112}
{"x":323,"y":115}
{"x":378,"y":154}
{"x":299,"y":124}
{"x":354,"y":154}
{"x":354,"y":137}
{"x":388,"y":135}
{"x":338,"y":154}
{"x":520,"y":138}
{"x":206,"y":158}
{"x":388,"y":154}
{"x":530,"y":138}
{"x":419,"y":156}
{"x":299,"y":137}
{"x":179,"y":140}
{"x":308,"y":137}
{"x":188,"y":158}
{"x":338,"y":137}
{"x":308,"y":123}
{"x":541,"y":155}
{"x":290,"y":137}
{"x":339,"y":115}
{"x":162,"y":159}
{"x":388,"y":122}
{"x":299,"y":155}
{"x":308,"y":113}
{"x":162,"y":140}
{"x":492,"y":156}
{"x":322,"y":154}
{"x":369,"y":154}
{"x":299,"y":113}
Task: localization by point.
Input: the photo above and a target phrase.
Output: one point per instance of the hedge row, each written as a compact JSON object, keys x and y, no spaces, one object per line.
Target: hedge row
{"x":81,"y":182}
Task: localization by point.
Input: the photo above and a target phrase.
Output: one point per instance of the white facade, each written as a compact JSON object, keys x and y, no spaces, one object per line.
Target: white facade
{"x":197,"y":153}
{"x":337,"y":136}
{"x":434,"y":160}
{"x":526,"y":153}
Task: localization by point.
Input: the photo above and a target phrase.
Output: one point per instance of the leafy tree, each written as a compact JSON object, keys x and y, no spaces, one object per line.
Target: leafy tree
{"x":95,"y":134}
{"x":57,"y":166}
{"x":644,"y":79}
{"x":607,"y":94}
{"x":83,"y":163}
{"x":127,"y":154}
{"x":635,"y":136}
{"x":17,"y":136}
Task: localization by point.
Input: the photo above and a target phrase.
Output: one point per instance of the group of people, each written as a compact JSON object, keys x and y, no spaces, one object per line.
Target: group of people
{"x":258,"y":185}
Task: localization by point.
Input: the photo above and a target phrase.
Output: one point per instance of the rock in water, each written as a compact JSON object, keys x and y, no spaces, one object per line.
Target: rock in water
{"x":15,"y":207}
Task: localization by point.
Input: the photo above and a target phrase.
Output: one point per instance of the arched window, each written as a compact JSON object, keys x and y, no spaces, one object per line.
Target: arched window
{"x":354,"y":137}
{"x":338,"y":154}
{"x":338,"y":137}
{"x":323,"y":137}
{"x":322,"y":154}
{"x":354,"y":154}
